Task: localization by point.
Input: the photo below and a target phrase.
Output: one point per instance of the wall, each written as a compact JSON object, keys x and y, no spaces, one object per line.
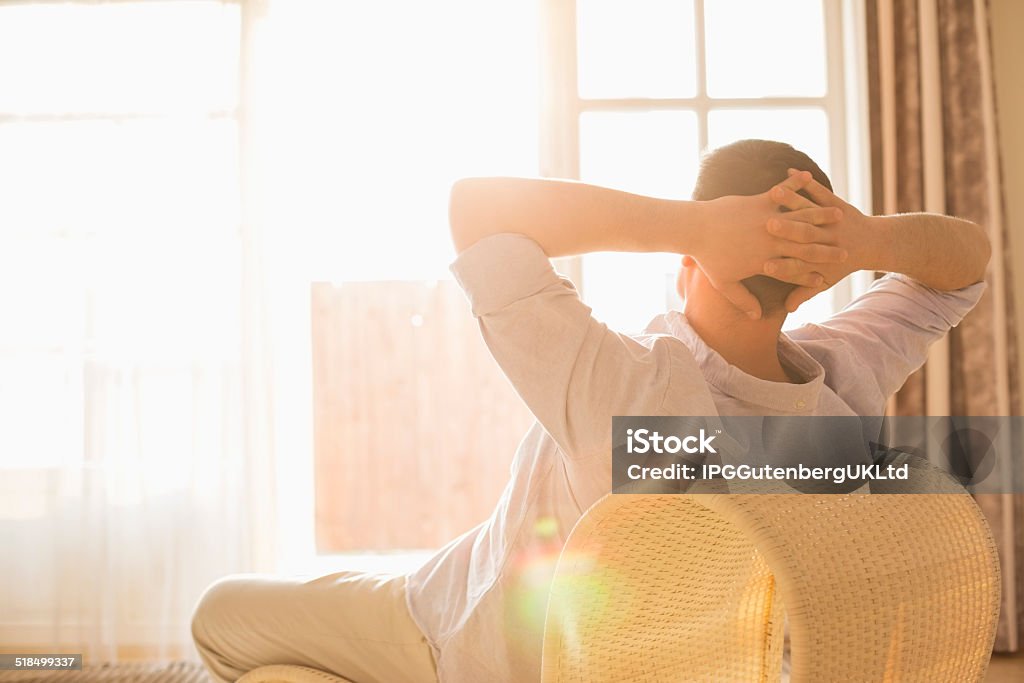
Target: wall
{"x":1007,"y":17}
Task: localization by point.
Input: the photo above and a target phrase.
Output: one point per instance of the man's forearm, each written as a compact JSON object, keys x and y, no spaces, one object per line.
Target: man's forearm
{"x":567,"y":218}
{"x":939,"y":251}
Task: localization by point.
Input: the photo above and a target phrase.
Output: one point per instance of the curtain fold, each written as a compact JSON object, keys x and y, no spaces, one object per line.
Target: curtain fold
{"x":934,"y":144}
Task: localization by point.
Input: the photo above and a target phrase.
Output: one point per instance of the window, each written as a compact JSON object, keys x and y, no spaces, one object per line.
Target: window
{"x":647,"y":86}
{"x":629,"y":95}
{"x":118,"y":162}
{"x":121,"y":391}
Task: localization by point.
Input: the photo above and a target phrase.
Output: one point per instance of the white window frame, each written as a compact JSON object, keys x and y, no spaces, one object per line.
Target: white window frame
{"x":844,"y":104}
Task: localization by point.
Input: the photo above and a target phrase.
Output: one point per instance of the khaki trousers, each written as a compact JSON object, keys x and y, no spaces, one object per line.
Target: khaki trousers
{"x":352,"y":624}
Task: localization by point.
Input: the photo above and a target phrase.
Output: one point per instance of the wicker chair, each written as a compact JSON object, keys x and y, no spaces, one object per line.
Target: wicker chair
{"x":694,"y":587}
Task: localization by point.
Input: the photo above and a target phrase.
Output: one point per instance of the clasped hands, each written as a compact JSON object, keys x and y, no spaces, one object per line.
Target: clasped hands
{"x":784,"y":235}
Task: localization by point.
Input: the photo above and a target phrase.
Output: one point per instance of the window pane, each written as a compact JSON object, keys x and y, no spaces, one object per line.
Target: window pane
{"x":160,"y":298}
{"x":48,"y":275}
{"x":367,"y":153}
{"x":805,"y":129}
{"x":41,"y":412}
{"x":652,"y":153}
{"x":142,"y":177}
{"x":765,"y":49}
{"x":627,"y":290}
{"x":118,"y":57}
{"x":642,"y":48}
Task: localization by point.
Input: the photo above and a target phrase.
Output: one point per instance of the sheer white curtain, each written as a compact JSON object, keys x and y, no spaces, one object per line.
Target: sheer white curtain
{"x":164,"y":207}
{"x":134,"y":386}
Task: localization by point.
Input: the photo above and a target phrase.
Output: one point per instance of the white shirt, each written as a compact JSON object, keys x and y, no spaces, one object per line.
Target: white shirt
{"x":481,"y":599}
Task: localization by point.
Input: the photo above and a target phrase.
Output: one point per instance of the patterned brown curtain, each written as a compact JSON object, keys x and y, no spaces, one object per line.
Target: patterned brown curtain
{"x":934,"y":147}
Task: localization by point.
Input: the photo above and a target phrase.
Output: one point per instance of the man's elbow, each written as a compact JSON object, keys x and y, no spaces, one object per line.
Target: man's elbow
{"x":468,"y":209}
{"x":458,"y":211}
{"x":984,"y":252}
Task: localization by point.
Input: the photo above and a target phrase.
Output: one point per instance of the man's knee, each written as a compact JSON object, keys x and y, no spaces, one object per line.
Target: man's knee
{"x":215,"y":622}
{"x":214,"y":611}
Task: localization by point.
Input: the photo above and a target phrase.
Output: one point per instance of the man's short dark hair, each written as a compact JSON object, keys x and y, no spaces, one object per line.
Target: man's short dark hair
{"x":749,"y":167}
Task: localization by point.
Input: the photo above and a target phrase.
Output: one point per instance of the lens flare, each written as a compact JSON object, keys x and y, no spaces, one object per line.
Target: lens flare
{"x":581,"y":582}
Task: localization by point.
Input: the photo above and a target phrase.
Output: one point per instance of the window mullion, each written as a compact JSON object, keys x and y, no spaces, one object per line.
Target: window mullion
{"x":835,"y":96}
{"x":702,"y":72}
{"x":560,"y":105}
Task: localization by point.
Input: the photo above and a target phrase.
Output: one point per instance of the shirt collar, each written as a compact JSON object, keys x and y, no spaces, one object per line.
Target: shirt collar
{"x":733,"y":382}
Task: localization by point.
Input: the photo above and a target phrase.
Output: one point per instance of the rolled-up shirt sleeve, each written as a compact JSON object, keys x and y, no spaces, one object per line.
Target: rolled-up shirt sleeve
{"x":572,"y":372}
{"x":891,"y":326}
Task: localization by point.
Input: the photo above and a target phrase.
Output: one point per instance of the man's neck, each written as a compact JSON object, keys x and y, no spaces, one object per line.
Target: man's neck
{"x":750,"y":345}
